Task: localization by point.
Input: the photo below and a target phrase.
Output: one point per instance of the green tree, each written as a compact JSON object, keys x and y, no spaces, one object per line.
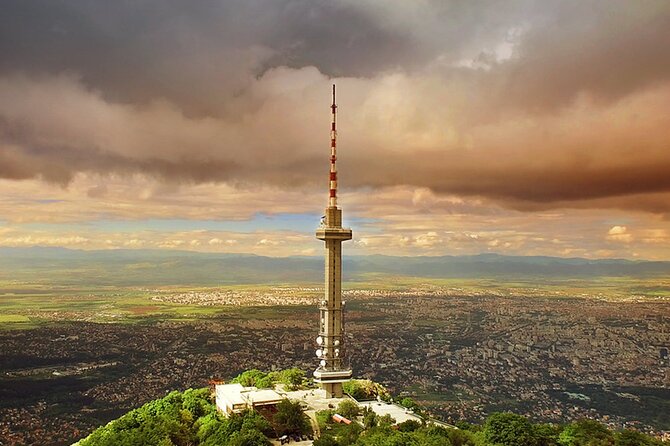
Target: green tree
{"x":370,"y":418}
{"x":460,"y":437}
{"x":629,"y":437}
{"x":254,"y":421}
{"x":207,"y":426}
{"x":326,"y":440}
{"x":182,"y":419}
{"x":585,"y":433}
{"x":547,"y":434}
{"x":432,"y":436}
{"x":385,"y":436}
{"x":252,"y":378}
{"x":265,"y":382}
{"x":386,"y":421}
{"x":248,"y":438}
{"x":292,"y":378}
{"x":364,"y":389}
{"x":508,"y":429}
{"x":465,"y":426}
{"x":217,"y":431}
{"x":349,"y":434}
{"x":173,"y":420}
{"x":409,"y":426}
{"x":197,"y":402}
{"x":324,"y":417}
{"x":348,"y":409}
{"x":408,"y":403}
{"x":290,"y":419}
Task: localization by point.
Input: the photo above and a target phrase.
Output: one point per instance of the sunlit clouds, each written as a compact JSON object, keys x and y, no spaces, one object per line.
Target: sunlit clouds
{"x":464,"y":127}
{"x":139,"y":213}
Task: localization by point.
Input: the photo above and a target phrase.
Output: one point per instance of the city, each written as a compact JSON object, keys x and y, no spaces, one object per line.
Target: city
{"x":462,"y":357}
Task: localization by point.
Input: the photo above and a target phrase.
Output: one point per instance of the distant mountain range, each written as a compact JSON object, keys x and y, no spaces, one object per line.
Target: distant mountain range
{"x":60,"y":266}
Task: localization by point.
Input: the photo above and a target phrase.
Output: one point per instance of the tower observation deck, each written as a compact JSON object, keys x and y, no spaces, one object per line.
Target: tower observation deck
{"x":333,"y":369}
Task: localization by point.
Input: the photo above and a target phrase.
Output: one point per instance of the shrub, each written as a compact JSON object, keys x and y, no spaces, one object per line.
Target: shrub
{"x":409,"y":426}
{"x":364,"y":389}
{"x":585,"y":433}
{"x":348,"y":409}
{"x":290,"y":419}
{"x":509,"y":429}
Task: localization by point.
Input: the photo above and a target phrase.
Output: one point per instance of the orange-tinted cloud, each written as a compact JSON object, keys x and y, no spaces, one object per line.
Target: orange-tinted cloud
{"x":449,"y":109}
{"x":392,"y":134}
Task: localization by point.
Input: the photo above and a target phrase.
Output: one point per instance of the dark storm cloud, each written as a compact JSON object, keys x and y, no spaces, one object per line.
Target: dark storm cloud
{"x":524,"y":185}
{"x":199,"y":54}
{"x":196,"y":54}
{"x":530,"y":104}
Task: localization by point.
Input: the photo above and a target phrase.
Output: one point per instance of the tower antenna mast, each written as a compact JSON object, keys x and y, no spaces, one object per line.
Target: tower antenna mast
{"x":333,"y":369}
{"x":332,"y":202}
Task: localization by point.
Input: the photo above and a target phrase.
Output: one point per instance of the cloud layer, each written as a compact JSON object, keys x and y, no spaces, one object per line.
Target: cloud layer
{"x":468,"y":107}
{"x":394,"y":132}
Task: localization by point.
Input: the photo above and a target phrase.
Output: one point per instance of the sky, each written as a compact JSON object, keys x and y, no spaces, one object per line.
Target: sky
{"x":465,"y":126}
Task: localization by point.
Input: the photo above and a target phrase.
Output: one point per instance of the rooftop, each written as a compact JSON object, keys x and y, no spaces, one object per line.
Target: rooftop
{"x":399,"y":413}
{"x":232,"y":395}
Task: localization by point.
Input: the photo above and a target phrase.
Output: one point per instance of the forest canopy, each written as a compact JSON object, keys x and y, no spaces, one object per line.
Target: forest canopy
{"x":190,"y":418}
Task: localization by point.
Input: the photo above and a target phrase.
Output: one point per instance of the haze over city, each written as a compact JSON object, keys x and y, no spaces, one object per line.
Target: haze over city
{"x":537,"y":128}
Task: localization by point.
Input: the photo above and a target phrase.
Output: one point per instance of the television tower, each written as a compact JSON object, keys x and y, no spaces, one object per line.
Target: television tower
{"x":333,"y":370}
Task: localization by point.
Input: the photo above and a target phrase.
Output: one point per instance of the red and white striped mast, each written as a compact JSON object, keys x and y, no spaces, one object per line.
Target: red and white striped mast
{"x":332,"y":202}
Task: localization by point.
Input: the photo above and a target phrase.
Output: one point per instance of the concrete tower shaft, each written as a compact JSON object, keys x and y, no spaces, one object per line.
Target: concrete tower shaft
{"x":333,"y":368}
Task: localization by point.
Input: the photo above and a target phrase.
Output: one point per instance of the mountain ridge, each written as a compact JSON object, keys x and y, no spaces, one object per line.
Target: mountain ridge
{"x":153,"y":267}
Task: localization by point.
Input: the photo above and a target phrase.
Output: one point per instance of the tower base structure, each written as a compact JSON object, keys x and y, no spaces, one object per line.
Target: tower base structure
{"x":331,"y":381}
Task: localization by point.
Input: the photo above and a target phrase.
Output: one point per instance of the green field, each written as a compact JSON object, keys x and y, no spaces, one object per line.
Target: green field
{"x":91,"y":304}
{"x":12,"y":318}
{"x":24,"y":305}
{"x":605,"y":286}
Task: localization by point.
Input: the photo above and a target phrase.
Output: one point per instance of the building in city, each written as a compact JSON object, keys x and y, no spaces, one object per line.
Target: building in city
{"x":235,"y":398}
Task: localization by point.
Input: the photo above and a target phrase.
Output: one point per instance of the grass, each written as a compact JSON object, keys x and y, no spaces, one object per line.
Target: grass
{"x":13,"y":318}
{"x":98,"y":305}
{"x":28,"y":303}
